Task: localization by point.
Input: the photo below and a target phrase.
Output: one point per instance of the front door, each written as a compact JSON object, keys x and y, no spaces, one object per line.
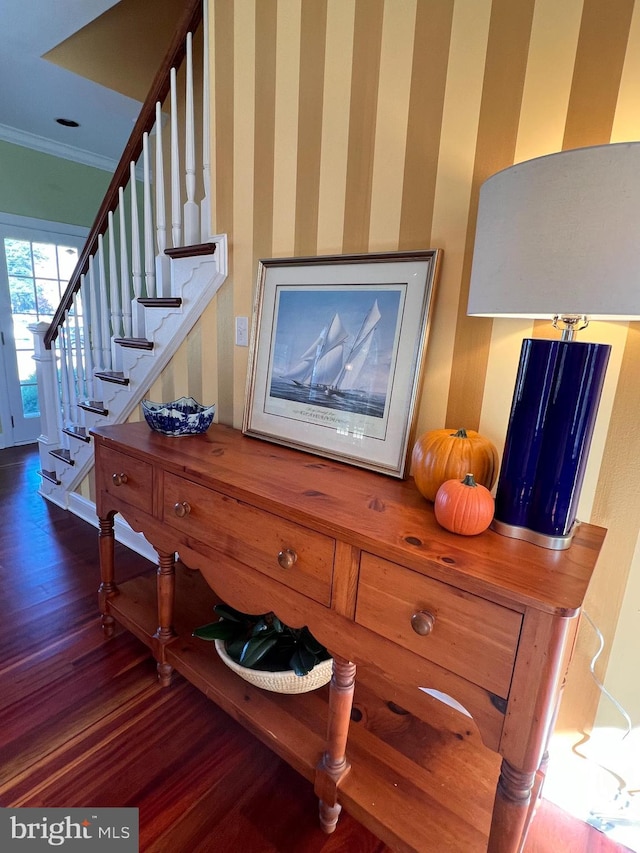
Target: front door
{"x":36,"y":262}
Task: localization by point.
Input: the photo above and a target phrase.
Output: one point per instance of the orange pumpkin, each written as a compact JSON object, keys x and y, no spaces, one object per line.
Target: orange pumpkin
{"x":443,"y":454}
{"x":464,"y":506}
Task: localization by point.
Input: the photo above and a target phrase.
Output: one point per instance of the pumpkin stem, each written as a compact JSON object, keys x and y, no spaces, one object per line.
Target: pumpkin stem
{"x":469,"y":480}
{"x":461,"y":433}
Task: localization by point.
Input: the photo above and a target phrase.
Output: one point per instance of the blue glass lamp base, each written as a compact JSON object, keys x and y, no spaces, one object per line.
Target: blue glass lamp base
{"x":551,"y":424}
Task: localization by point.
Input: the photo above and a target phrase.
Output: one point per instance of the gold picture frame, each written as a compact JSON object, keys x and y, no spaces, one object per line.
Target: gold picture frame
{"x":337,"y":352}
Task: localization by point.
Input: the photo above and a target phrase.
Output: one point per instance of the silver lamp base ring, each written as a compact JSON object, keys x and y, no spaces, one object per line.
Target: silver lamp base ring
{"x":554,"y":543}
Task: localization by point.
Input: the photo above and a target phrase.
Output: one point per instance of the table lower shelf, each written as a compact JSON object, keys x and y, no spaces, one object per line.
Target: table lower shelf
{"x":420,"y":786}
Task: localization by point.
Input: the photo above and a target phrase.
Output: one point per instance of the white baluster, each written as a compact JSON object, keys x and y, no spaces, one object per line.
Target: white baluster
{"x":60,"y":368}
{"x":64,"y":379}
{"x":71,"y":372}
{"x":163,"y":262}
{"x":149,"y":255}
{"x":114,"y":284}
{"x":85,"y":289}
{"x":95,"y":325}
{"x":105,"y":337}
{"x":176,"y":206}
{"x":125,"y":282}
{"x":136,"y":265}
{"x":137,"y":322}
{"x":191,"y":211}
{"x":78,"y":348}
{"x":205,"y":204}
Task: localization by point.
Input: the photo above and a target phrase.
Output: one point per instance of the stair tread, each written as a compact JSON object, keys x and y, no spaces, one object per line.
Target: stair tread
{"x":112,"y":376}
{"x":191,"y":251}
{"x":160,"y":301}
{"x":134,"y":343}
{"x":77,"y":432}
{"x":63,"y":454}
{"x":49,"y":475}
{"x":96,"y":406}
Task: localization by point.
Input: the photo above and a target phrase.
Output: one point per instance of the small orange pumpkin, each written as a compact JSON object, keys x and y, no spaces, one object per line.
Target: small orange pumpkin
{"x":443,"y":454}
{"x":464,"y":506}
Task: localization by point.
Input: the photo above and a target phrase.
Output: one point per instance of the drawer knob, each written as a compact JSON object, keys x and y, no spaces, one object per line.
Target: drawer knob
{"x":181,"y":509}
{"x":119,"y":479}
{"x":287,"y":557}
{"x":422,"y":622}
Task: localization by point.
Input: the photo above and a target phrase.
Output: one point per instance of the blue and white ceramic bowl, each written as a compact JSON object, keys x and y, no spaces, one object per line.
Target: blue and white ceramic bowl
{"x":181,"y":417}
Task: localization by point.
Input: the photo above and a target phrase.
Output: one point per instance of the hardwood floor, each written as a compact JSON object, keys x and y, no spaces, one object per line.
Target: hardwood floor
{"x":83,"y":722}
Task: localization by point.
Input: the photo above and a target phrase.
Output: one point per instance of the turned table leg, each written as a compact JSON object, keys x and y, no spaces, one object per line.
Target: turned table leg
{"x":107,"y":587}
{"x":511,"y":809}
{"x":534,"y":799}
{"x":536,"y":791}
{"x":165,"y":582}
{"x":333,"y":766}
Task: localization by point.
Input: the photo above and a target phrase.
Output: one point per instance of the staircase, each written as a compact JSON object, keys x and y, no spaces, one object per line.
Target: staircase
{"x":132,"y":300}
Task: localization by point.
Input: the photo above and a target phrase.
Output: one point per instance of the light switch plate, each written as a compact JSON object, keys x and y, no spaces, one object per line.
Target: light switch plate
{"x":242,"y":331}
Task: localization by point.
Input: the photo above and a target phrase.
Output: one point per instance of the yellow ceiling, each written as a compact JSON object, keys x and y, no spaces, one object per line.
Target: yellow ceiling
{"x":123,"y":48}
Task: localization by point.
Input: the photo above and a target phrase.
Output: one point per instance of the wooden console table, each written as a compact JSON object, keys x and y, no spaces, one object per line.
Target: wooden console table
{"x":359,"y":558}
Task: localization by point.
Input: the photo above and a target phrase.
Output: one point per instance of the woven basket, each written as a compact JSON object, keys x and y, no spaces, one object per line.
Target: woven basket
{"x":279,"y":682}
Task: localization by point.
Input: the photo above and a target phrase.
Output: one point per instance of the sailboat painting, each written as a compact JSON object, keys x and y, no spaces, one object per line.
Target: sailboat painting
{"x":335,"y":348}
{"x":337,"y":351}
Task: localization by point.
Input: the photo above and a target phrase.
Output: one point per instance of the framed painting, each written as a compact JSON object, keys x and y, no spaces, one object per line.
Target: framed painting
{"x":337,"y":350}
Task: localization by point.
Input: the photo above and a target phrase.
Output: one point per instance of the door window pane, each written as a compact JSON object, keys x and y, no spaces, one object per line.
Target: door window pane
{"x":38,"y":275}
{"x":30,"y":407}
{"x":67,"y":260}
{"x":26,"y":366}
{"x":48,"y":295}
{"x":23,"y":300}
{"x":18,"y":254}
{"x":45,"y":260}
{"x":22,"y":337}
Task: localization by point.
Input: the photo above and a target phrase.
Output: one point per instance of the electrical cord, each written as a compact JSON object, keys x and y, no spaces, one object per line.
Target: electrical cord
{"x":601,"y":687}
{"x":620,"y":814}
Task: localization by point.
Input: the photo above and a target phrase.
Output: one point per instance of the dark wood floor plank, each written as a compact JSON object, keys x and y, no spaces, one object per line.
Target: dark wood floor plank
{"x":38,"y":731}
{"x":36,"y":672}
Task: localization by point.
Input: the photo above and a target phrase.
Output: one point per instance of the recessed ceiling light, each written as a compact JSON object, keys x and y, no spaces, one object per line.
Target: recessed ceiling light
{"x":67,"y":122}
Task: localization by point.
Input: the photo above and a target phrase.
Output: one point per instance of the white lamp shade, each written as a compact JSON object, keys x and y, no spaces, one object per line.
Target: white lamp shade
{"x":560,"y":235}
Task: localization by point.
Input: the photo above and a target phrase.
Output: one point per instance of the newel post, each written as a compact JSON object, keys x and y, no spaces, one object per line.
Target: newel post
{"x":48,"y":394}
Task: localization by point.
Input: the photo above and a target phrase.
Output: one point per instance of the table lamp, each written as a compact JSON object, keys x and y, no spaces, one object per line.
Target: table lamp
{"x":557,"y":237}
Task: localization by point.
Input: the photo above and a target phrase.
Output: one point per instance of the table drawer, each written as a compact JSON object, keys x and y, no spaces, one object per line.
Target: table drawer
{"x":128,"y":479}
{"x":468,"y":635}
{"x":252,"y":536}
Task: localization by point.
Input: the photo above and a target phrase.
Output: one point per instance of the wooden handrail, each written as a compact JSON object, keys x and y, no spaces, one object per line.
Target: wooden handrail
{"x":189,"y":22}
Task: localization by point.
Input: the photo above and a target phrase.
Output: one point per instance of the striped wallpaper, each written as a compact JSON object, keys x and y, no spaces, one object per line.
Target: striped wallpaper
{"x":369,"y":125}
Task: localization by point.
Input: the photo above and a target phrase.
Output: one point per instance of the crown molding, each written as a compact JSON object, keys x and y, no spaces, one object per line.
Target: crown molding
{"x":55,"y":149}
